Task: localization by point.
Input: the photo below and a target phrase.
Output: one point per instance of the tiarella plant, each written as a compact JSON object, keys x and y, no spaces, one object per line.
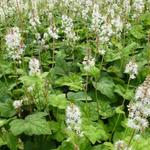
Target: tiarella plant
{"x":74,"y":74}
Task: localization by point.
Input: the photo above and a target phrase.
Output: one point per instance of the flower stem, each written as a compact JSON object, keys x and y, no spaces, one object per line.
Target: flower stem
{"x":131,"y":139}
{"x":120,"y":114}
{"x":86,"y":93}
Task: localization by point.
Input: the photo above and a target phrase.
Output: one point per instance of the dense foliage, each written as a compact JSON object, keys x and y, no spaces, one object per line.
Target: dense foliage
{"x":74,"y":74}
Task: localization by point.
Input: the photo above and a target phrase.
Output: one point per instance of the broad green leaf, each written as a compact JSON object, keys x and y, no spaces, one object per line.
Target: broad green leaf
{"x":114,"y":69}
{"x":11,"y":141}
{"x":3,"y":122}
{"x":33,"y":124}
{"x":129,"y":49}
{"x":93,"y":133}
{"x":59,"y":101}
{"x":105,"y":146}
{"x":7,"y":110}
{"x":31,"y":80}
{"x":61,"y":67}
{"x":106,"y":86}
{"x":18,"y":126}
{"x":105,"y":110}
{"x":112,"y":55}
{"x":137,"y":31}
{"x":145,"y":18}
{"x":119,"y":110}
{"x":2,"y":142}
{"x":3,"y":91}
{"x":79,"y":96}
{"x":124,"y":92}
{"x":73,"y":81}
{"x":65,"y":146}
{"x":94,"y":72}
{"x":141,"y":142}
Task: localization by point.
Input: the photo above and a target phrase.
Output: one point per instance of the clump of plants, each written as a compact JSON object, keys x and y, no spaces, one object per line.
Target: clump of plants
{"x":74,"y":74}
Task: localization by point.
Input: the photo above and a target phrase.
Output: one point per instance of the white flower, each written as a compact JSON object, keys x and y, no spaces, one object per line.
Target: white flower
{"x":138,"y":123}
{"x":137,"y":137}
{"x":13,"y":38}
{"x":85,"y":13}
{"x":140,"y":109}
{"x":138,"y":5}
{"x":73,"y":118}
{"x":132,"y":69}
{"x":88,"y":63}
{"x":96,"y":19}
{"x":143,"y":91}
{"x":30,"y":88}
{"x":126,"y":6}
{"x":17,"y":104}
{"x":140,"y":93}
{"x":121,"y":145}
{"x":53,"y":32}
{"x":67,"y":24}
{"x":102,"y":51}
{"x":106,"y":31}
{"x":45,"y":35}
{"x":34,"y":66}
{"x":34,"y":18}
{"x":15,"y":47}
{"x":117,"y":23}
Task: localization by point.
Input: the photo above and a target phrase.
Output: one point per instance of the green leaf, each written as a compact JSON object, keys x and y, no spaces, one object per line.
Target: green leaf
{"x":7,"y":110}
{"x":91,"y":107}
{"x":61,"y":67}
{"x":145,"y":18}
{"x":33,"y":124}
{"x":94,"y":72}
{"x":11,"y":141}
{"x":79,"y":96}
{"x":66,"y":146}
{"x":105,"y":110}
{"x":112,"y":55}
{"x":31,"y":80}
{"x":119,"y":110}
{"x":94,"y":133}
{"x":73,"y":81}
{"x":125,"y":93}
{"x":129,"y":49}
{"x":106,"y":86}
{"x":105,"y":146}
{"x":59,"y":101}
{"x":137,"y":32}
{"x":2,"y":141}
{"x":18,"y":126}
{"x":3,"y":122}
{"x":3,"y":91}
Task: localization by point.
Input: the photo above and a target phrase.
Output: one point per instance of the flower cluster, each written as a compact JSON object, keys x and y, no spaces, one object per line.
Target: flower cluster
{"x":96,"y":19}
{"x":53,"y":32}
{"x":121,"y":145}
{"x":67,"y":25}
{"x":140,"y":109}
{"x":17,"y":104}
{"x":8,"y":8}
{"x":138,"y":7}
{"x":15,"y":46}
{"x":34,"y":18}
{"x":88,"y":62}
{"x":34,"y":66}
{"x":73,"y":118}
{"x":86,"y":9}
{"x":107,"y":25}
{"x":132,"y":69}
